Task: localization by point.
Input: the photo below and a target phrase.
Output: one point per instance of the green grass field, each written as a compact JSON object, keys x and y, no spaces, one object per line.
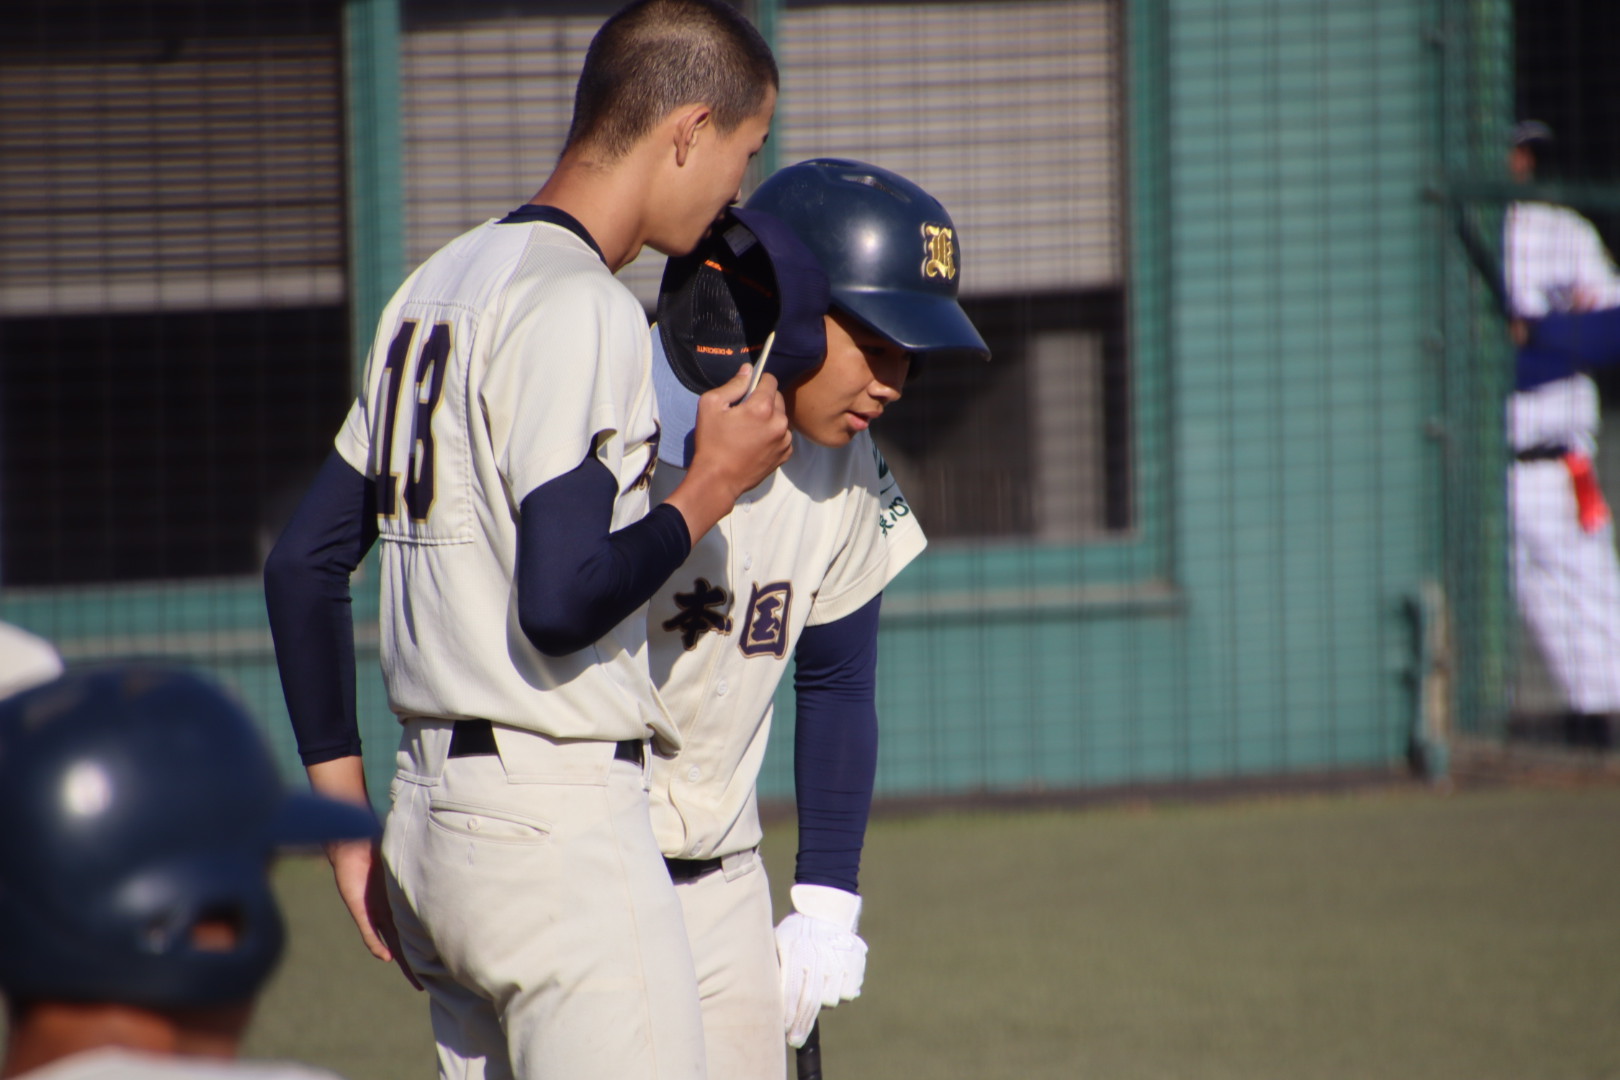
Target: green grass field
{"x":1400,"y":934}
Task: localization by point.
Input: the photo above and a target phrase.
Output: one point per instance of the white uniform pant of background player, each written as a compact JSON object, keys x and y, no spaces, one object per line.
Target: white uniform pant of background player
{"x":534,"y":904}
{"x":1566,"y":580}
{"x":728,"y":919}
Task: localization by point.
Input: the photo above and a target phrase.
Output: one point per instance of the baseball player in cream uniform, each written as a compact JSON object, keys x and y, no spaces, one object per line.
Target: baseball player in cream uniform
{"x":501,"y":449}
{"x":1566,"y":579}
{"x":796,"y":569}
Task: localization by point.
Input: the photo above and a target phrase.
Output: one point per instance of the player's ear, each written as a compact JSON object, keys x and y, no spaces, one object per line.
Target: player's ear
{"x":689,"y":121}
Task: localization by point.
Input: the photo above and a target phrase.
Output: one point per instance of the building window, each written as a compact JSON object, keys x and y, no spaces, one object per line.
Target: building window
{"x":173,"y":341}
{"x":1010,"y":111}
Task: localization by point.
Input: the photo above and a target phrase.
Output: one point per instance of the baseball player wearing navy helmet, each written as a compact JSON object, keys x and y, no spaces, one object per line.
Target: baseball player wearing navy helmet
{"x":137,"y":921}
{"x":501,"y":451}
{"x":841,"y":275}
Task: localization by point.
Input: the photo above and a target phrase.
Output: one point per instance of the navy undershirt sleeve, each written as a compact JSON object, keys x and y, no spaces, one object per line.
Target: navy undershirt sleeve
{"x":306,"y":591}
{"x":1562,"y":344}
{"x":835,"y":745}
{"x":577,"y":579}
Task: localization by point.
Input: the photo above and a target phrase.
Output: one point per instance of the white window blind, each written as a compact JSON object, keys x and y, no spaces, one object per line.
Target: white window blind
{"x":1007,"y":110}
{"x":160,"y":168}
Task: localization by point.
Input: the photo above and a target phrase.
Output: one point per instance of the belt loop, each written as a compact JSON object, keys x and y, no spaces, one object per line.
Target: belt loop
{"x":739,"y":863}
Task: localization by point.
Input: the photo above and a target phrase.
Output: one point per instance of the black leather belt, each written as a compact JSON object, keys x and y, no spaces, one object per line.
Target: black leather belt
{"x":471,"y":738}
{"x":685,"y":870}
{"x":1544,"y":452}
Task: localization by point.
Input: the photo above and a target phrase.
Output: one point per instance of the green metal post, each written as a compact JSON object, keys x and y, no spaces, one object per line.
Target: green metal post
{"x":371,"y":36}
{"x":766,"y":16}
{"x":376,"y":178}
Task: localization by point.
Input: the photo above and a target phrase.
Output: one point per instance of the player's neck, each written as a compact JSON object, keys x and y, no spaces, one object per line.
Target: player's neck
{"x":51,"y":1031}
{"x":608,"y":200}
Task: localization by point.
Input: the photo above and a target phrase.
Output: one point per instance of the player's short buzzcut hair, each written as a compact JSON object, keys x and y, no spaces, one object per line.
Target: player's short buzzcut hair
{"x":654,"y":56}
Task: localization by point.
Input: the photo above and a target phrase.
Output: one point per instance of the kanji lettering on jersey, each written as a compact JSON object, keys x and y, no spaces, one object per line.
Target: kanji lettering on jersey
{"x":765,"y":626}
{"x":696,"y":617}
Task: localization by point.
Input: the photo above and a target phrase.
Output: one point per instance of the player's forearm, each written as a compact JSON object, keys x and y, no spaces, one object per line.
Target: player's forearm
{"x":835,"y":746}
{"x":341,"y":778}
{"x":1560,"y":345}
{"x":575,"y":579}
{"x":311,"y":617}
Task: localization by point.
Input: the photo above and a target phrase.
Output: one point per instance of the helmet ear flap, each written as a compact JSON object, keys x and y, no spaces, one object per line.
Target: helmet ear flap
{"x":717,"y":307}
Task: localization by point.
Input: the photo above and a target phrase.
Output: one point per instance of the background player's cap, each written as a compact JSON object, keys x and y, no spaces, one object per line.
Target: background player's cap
{"x":1526,"y":132}
{"x":891,"y":253}
{"x":719,"y":305}
{"x":140,"y":803}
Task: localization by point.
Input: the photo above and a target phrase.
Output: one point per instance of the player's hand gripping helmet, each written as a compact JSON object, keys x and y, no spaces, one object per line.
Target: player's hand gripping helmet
{"x":890,"y":251}
{"x":139,"y":802}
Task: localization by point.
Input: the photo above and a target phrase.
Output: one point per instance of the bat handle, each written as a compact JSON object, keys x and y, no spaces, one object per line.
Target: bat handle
{"x":810,"y":1054}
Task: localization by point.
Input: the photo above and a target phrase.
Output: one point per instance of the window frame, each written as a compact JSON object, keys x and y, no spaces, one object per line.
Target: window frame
{"x":1132,"y":570}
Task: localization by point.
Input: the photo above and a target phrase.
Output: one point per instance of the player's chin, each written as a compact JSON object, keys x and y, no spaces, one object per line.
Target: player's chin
{"x":833,"y":434}
{"x":675,"y":247}
{"x":685,"y":242}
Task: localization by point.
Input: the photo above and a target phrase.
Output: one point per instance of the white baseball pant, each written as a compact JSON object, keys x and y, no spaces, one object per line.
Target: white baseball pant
{"x":1567,"y":583}
{"x":533,"y":903}
{"x":728,"y":920}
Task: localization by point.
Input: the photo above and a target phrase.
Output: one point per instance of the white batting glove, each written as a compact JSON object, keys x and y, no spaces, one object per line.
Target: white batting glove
{"x":823,"y":961}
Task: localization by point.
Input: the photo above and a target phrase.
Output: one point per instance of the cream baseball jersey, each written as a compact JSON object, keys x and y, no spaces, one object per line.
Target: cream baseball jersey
{"x":1554,"y":257}
{"x":815,"y":542}
{"x":120,"y":1064}
{"x":500,"y":364}
{"x":1551,"y":253}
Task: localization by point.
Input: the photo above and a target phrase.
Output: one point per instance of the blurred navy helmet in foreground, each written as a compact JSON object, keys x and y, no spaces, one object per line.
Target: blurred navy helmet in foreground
{"x":142,"y":810}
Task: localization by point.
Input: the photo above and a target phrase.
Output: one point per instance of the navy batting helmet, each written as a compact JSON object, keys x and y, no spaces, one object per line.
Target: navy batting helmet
{"x":890,"y":251}
{"x":139,"y":804}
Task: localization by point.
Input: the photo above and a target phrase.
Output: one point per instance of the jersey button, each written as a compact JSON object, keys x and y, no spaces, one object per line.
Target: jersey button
{"x":723,"y":688}
{"x":748,"y":562}
{"x":693,"y":773}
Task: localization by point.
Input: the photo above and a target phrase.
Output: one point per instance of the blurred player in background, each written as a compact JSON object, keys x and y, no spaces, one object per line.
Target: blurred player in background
{"x":502,"y":448}
{"x":137,"y":921}
{"x":796,"y":570}
{"x":1566,"y":576}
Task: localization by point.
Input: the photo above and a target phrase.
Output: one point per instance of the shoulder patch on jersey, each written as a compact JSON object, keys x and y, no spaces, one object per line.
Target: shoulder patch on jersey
{"x":890,"y":513}
{"x":765,"y":627}
{"x":695,"y":617}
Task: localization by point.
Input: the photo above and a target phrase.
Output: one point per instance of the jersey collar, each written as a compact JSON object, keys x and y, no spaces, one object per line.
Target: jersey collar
{"x":552,"y":216}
